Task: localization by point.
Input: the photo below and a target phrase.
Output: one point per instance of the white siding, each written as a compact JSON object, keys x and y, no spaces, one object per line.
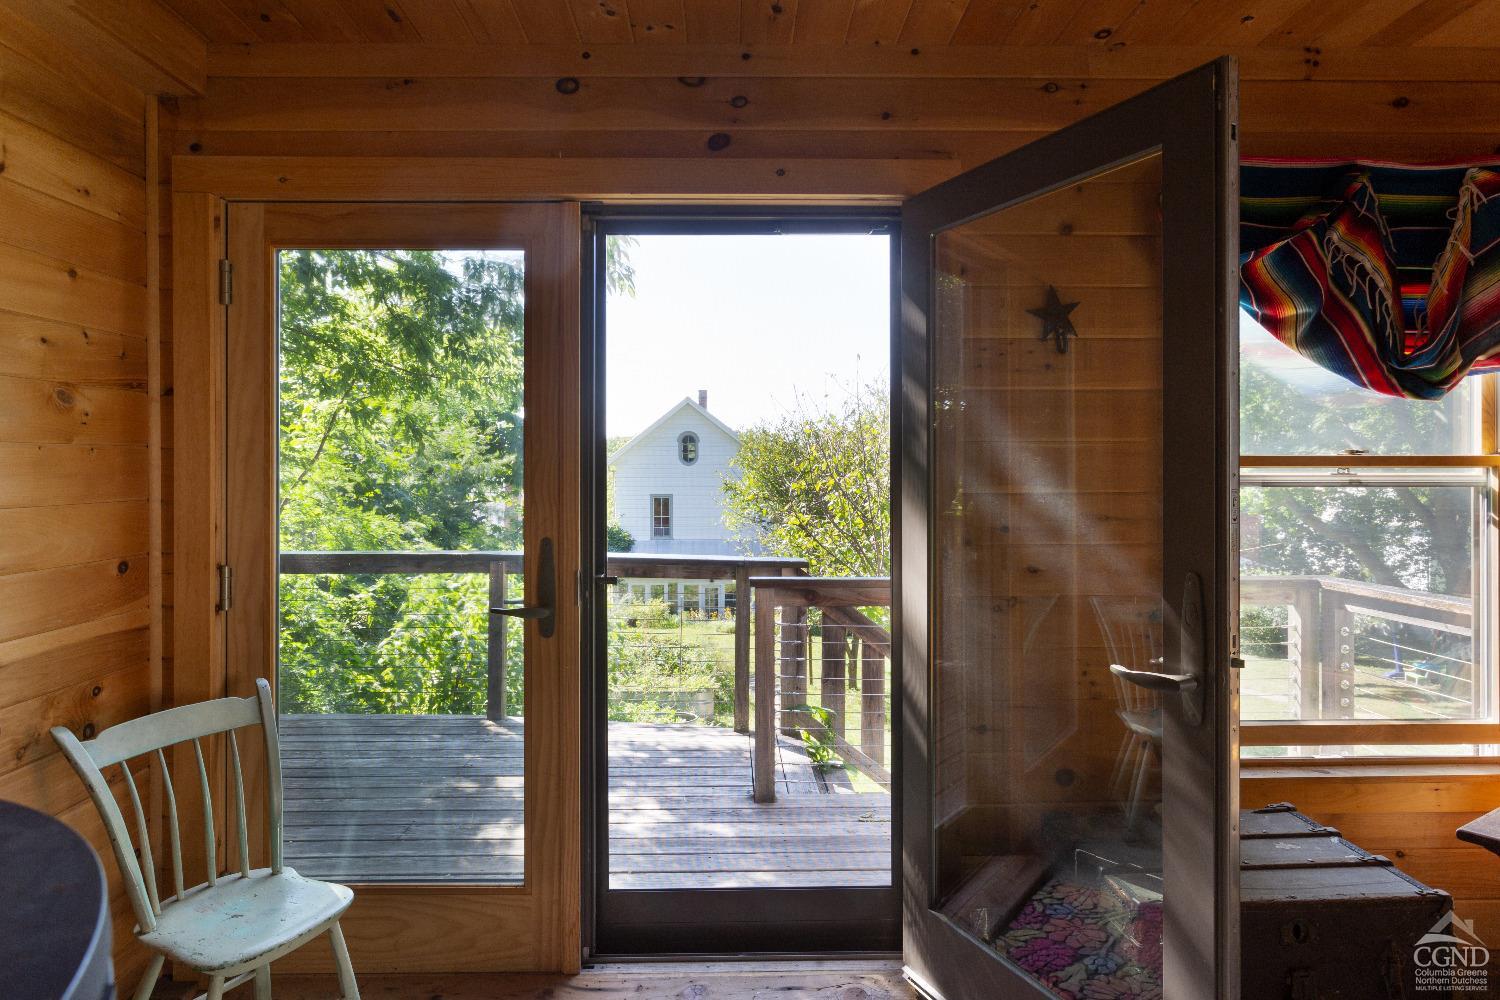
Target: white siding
{"x":650,"y":467}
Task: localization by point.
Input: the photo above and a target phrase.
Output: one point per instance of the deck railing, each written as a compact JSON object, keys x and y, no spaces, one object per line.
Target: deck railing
{"x":1324,"y":632}
{"x":812,"y":661}
{"x":853,"y":654}
{"x":503,"y":570}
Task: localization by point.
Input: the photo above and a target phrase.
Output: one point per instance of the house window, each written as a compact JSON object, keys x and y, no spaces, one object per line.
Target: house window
{"x":687,"y":448}
{"x":1367,"y":562}
{"x":661,"y":517}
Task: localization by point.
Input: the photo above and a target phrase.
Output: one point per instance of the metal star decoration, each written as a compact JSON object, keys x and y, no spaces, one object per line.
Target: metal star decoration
{"x":1055,"y":321}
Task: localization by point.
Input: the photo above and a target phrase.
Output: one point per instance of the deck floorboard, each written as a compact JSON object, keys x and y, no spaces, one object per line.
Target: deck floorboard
{"x":439,"y":798}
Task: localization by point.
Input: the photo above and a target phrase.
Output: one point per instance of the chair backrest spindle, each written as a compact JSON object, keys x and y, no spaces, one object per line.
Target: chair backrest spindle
{"x":171,"y":796}
{"x":148,"y":862}
{"x":210,"y":845}
{"x":239,"y":806}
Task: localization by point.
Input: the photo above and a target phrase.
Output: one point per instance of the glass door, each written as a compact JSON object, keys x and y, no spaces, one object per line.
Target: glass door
{"x":1066,"y":574}
{"x":403,"y":535}
{"x":741,"y":704}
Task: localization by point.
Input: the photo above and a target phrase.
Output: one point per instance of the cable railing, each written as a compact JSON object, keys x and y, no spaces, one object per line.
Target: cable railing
{"x":1362,"y":650}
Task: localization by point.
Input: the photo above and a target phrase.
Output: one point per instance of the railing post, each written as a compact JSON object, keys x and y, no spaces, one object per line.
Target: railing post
{"x":494,"y":709}
{"x":763,"y":772}
{"x":1336,"y":690}
{"x":1302,"y":632}
{"x":872,"y":703}
{"x":742,"y":613}
{"x":835,"y":675}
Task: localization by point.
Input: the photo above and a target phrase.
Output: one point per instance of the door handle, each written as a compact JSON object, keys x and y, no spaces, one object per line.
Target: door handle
{"x":1191,"y":643}
{"x":544,"y":612}
{"x":1153,"y":679}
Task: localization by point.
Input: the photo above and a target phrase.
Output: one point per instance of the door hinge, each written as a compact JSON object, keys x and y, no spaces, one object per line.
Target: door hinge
{"x":226,"y":282}
{"x":226,"y":587}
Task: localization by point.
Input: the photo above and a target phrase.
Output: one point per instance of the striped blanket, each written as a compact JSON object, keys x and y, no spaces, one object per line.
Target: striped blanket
{"x":1388,"y":276}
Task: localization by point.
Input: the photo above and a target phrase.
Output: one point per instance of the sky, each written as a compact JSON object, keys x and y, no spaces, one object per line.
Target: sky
{"x":755,"y":320}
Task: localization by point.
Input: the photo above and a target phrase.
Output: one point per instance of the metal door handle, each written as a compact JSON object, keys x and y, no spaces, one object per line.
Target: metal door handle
{"x":1191,"y":643}
{"x":1154,"y":680}
{"x":544,"y":612}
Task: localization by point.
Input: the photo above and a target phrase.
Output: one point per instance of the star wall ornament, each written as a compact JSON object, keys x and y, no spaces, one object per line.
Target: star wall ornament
{"x":1055,"y":321}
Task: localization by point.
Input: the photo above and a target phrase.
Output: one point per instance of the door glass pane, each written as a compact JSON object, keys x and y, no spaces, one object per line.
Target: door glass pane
{"x":756,"y":448}
{"x":400,"y":515}
{"x":1048,"y":541}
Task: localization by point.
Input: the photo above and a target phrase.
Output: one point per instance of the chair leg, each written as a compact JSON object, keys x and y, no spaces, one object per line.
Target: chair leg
{"x":215,"y":988}
{"x":1138,"y":785}
{"x":348,"y":988}
{"x":147,"y":985}
{"x":263,"y":983}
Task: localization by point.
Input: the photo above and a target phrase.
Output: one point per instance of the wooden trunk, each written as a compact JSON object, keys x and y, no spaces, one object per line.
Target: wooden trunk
{"x":1322,"y":919}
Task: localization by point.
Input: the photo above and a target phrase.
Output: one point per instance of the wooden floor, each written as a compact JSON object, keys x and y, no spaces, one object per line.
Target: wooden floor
{"x":831,"y":980}
{"x":384,"y":798}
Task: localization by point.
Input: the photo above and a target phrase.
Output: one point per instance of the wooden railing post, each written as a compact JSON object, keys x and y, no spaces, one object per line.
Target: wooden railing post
{"x":1302,"y":635}
{"x":835,"y":676}
{"x":494,"y":709}
{"x":872,"y":703}
{"x":742,"y":613}
{"x":1336,"y":688}
{"x":763,"y":772}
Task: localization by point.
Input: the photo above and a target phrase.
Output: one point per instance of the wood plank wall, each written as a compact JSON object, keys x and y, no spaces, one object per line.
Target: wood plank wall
{"x":79,"y":619}
{"x":290,"y":104}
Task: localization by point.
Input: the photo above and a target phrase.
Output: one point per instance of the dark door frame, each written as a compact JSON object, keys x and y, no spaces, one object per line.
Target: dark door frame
{"x":1190,"y":122}
{"x":724,"y":922}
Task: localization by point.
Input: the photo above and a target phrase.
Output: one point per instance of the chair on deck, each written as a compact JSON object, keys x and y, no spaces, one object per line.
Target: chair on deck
{"x":1132,"y":630}
{"x":234,"y":925}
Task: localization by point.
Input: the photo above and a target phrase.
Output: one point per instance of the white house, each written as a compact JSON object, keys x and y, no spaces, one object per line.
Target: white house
{"x":669,"y":494}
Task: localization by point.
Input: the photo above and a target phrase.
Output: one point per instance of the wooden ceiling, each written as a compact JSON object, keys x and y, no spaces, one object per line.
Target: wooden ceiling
{"x":1107,"y":24}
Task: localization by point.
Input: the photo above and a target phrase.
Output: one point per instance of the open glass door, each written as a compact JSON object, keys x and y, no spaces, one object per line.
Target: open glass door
{"x":1066,"y":587}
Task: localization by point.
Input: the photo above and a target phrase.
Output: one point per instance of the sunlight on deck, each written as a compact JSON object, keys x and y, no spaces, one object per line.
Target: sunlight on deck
{"x":439,"y":798}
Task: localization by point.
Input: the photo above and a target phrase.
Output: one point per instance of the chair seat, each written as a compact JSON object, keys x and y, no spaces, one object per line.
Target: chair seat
{"x":237,"y":922}
{"x":1145,"y":722}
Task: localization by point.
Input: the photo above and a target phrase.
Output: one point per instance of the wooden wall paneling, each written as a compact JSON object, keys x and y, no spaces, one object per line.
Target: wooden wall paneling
{"x":394,"y":179}
{"x":147,"y":45}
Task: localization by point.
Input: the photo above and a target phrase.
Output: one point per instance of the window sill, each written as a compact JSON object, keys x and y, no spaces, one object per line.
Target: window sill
{"x":1371,"y":768}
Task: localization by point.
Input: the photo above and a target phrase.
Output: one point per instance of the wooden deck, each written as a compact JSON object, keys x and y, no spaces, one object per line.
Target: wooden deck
{"x":439,"y":798}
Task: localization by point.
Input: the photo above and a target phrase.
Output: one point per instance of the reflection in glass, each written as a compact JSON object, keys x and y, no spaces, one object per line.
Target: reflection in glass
{"x":1048,"y":550}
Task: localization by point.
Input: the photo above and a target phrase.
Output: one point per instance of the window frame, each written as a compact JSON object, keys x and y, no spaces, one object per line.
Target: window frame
{"x":682,"y":440}
{"x":1480,"y":471}
{"x":666,"y":530}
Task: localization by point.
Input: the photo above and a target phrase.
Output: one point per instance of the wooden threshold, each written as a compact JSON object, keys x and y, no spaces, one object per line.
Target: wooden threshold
{"x":865,"y":979}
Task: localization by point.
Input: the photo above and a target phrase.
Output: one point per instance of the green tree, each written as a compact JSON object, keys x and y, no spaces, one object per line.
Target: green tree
{"x":816,"y":484}
{"x":1403,"y":536}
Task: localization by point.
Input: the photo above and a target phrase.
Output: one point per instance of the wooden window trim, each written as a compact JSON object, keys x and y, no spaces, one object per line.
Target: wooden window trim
{"x":1394,"y":732}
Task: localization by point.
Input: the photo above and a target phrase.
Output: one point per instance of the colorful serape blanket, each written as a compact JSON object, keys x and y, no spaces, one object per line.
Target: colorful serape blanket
{"x":1084,"y":942}
{"x":1386,"y":275}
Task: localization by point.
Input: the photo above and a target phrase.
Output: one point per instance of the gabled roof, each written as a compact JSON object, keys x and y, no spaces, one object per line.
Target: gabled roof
{"x":665,"y":417}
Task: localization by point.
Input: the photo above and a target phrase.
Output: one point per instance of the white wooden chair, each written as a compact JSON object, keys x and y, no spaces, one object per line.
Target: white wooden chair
{"x":234,"y":925}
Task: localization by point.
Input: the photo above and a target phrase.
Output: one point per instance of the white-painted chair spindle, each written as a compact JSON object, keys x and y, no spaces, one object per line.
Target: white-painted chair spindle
{"x":231,"y":926}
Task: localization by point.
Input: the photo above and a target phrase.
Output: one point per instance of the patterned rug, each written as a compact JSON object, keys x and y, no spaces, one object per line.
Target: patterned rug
{"x":1088,"y":941}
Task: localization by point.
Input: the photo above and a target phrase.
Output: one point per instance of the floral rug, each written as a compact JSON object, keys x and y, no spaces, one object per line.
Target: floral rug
{"x":1088,"y":941}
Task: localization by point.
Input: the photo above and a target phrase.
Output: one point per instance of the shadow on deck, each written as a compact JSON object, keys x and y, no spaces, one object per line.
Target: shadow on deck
{"x":439,"y":798}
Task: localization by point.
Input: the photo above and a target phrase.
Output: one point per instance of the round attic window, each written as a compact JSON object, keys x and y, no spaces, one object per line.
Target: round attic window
{"x":687,"y":448}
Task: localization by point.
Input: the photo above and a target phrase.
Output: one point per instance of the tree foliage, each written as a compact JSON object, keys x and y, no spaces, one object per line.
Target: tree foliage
{"x":816,"y":484}
{"x":1403,"y":536}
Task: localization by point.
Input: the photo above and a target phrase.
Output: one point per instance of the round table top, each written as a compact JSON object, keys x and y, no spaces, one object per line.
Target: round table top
{"x":54,"y":919}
